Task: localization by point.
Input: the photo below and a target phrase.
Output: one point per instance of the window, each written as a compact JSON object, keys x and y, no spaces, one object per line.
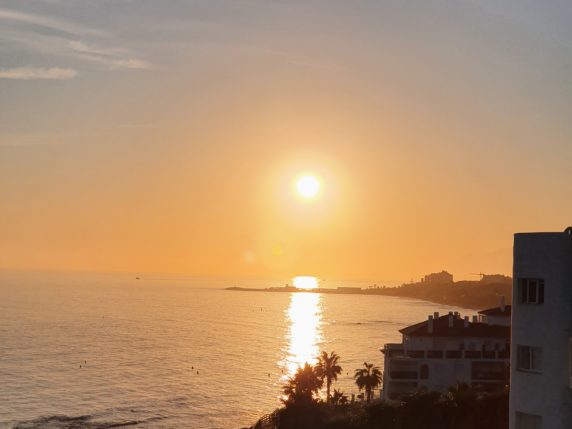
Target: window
{"x":424,"y":372}
{"x":570,"y":360}
{"x":528,"y":421}
{"x":529,"y":358}
{"x":531,"y":291}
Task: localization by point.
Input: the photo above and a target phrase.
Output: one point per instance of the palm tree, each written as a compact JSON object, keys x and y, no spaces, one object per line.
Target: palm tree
{"x":368,"y":378}
{"x":339,"y":398}
{"x":328,"y":369}
{"x":302,"y":386}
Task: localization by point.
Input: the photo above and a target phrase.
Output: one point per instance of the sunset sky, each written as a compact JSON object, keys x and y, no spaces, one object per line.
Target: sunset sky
{"x":167,"y":136}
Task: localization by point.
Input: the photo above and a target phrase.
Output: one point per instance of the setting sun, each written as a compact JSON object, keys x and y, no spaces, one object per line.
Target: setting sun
{"x":306,"y":282}
{"x":308,"y":186}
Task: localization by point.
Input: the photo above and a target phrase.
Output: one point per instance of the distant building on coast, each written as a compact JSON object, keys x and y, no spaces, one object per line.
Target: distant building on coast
{"x":541,"y":364}
{"x":495,"y":278}
{"x":444,"y":350}
{"x":441,"y":278}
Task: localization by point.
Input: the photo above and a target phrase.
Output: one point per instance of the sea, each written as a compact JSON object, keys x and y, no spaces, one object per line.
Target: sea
{"x":99,"y":351}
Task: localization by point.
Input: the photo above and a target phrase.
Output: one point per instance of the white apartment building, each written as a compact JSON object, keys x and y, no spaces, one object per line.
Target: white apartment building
{"x":541,"y":364}
{"x":444,"y":350}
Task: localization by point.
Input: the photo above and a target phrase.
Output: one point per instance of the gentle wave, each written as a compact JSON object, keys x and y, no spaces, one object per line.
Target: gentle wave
{"x":78,"y":422}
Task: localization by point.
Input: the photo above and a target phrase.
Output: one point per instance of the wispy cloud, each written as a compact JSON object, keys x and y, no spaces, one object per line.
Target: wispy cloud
{"x":110,"y":58}
{"x":29,"y":73}
{"x":47,"y":22}
{"x":67,"y":39}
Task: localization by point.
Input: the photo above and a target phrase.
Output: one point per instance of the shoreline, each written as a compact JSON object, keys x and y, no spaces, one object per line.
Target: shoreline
{"x":466,"y":294}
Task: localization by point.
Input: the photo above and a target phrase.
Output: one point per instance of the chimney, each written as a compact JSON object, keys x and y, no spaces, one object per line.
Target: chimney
{"x":502,"y":304}
{"x":450,"y":320}
{"x":475,"y":319}
{"x":466,"y":324}
{"x":430,"y":324}
{"x":436,"y":315}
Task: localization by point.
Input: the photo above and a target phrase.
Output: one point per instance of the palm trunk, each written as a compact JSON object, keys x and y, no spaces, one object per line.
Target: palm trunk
{"x":328,"y":384}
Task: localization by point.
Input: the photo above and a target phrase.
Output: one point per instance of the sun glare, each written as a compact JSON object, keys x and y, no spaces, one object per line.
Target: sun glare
{"x":308,"y":186}
{"x":305,"y":282}
{"x":305,"y":333}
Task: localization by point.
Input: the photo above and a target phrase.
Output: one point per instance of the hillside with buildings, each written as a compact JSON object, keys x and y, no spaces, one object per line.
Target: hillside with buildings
{"x":437,"y":287}
{"x":441,"y":288}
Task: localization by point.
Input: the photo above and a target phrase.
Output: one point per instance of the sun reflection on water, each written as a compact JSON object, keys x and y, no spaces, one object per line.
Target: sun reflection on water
{"x":305,"y":333}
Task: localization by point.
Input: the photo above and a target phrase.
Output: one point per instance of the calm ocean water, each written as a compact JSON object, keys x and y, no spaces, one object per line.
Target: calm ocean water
{"x":168,"y":353}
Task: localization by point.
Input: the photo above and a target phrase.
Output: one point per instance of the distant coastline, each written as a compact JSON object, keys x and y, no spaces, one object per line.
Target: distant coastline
{"x":476,"y":295}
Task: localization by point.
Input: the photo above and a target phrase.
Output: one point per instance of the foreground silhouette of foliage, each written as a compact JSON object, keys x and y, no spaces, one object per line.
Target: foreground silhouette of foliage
{"x":328,"y":369}
{"x":301,"y":388}
{"x":339,"y":398}
{"x":460,"y":408}
{"x":368,"y":378}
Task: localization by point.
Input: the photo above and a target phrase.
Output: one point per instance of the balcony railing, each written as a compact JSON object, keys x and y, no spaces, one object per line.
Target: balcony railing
{"x":396,"y":350}
{"x":505,"y":354}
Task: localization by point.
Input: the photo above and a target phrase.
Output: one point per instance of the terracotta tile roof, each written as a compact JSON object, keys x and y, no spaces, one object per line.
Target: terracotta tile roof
{"x":441,"y":329}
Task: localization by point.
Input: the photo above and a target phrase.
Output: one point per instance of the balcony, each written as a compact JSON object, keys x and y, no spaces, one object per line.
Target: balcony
{"x":504,"y":354}
{"x":396,"y":350}
{"x":393,"y":350}
{"x":489,"y":371}
{"x":403,"y":375}
{"x":473,"y":354}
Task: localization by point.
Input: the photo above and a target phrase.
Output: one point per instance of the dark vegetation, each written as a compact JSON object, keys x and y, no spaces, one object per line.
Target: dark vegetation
{"x":423,"y":410}
{"x":460,"y":408}
{"x":467,"y":294}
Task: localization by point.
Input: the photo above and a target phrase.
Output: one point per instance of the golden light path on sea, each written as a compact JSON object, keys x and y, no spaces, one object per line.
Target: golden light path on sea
{"x":304,"y":334}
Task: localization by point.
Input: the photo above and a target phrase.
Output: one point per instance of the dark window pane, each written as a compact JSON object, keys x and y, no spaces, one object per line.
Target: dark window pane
{"x":532,"y":291}
{"x":541,"y":292}
{"x":523,"y":292}
{"x":523,"y":357}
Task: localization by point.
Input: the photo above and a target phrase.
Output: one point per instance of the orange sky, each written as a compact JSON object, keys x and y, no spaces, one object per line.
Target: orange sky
{"x":437,"y":134}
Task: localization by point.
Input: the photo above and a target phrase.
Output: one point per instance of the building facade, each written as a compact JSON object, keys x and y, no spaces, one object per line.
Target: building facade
{"x":541,"y":364}
{"x":443,"y":351}
{"x":440,"y":278}
{"x":495,"y":278}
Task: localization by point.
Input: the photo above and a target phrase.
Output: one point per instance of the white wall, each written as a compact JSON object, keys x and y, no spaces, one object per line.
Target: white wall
{"x":548,"y":325}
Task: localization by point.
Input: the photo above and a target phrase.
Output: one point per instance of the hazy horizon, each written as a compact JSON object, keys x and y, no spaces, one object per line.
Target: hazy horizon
{"x":200,"y":281}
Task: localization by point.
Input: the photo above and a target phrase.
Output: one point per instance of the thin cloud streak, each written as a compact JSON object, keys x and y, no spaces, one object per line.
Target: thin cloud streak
{"x":55,"y":24}
{"x":68,"y":43}
{"x":31,"y":73}
{"x":110,"y":58}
